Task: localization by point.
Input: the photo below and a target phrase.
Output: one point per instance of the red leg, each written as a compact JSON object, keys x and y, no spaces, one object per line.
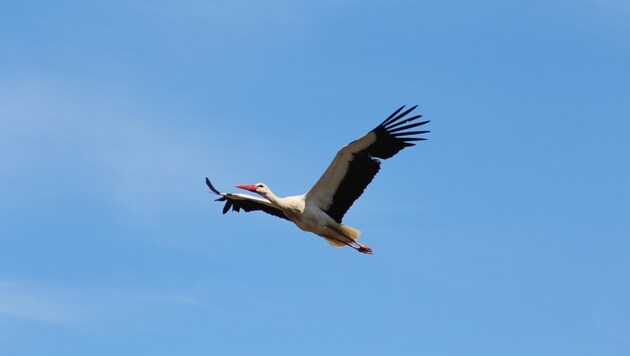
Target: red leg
{"x":364,"y":249}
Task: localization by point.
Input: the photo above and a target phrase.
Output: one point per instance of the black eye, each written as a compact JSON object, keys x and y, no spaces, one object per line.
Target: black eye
{"x":260,"y":185}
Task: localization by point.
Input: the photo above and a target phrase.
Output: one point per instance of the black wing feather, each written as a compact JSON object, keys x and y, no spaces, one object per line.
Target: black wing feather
{"x":227,"y":206}
{"x":409,"y":119}
{"x":236,"y":204}
{"x":361,"y":171}
{"x":212,"y":188}
{"x":391,"y":117}
{"x":365,"y":164}
{"x":388,"y":137}
{"x":249,"y":205}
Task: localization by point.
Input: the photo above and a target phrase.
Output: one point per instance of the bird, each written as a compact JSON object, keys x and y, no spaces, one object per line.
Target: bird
{"x":322,"y":208}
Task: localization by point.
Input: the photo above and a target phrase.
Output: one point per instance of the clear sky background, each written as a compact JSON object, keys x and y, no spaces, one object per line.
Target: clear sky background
{"x":506,"y":233}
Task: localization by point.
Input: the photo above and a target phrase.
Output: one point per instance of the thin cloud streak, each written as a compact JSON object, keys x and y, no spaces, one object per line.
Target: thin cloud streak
{"x":124,"y":159}
{"x":81,"y":306}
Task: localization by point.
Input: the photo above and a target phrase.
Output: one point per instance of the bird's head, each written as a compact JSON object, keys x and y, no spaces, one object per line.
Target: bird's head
{"x":259,"y":188}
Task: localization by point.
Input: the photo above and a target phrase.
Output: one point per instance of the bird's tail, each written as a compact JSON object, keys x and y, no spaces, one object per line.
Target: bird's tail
{"x":350,"y":232}
{"x":349,"y":235}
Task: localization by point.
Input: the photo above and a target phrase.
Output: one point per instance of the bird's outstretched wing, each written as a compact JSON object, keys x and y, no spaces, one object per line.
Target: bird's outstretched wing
{"x":356,"y":164}
{"x":246,"y":202}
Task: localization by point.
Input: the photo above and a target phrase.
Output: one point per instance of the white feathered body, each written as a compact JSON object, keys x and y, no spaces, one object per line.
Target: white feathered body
{"x":309,"y":217}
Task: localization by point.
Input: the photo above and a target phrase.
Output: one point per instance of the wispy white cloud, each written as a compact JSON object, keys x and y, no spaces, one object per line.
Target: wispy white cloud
{"x":122,"y":155}
{"x":239,"y":16}
{"x":81,"y":306}
{"x":34,"y":305}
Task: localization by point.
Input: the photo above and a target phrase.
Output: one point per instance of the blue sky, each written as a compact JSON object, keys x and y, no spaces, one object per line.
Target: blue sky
{"x":504,"y":234}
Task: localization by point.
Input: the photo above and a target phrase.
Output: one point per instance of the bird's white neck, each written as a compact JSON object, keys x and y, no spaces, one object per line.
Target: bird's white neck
{"x":275,"y":200}
{"x":285,"y":204}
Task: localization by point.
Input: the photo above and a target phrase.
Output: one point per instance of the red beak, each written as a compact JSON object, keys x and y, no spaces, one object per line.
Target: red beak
{"x":251,"y":188}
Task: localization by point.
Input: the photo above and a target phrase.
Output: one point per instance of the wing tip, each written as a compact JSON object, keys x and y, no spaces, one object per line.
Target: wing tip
{"x":212,"y":188}
{"x":392,"y":116}
{"x":395,"y":116}
{"x":228,"y":205}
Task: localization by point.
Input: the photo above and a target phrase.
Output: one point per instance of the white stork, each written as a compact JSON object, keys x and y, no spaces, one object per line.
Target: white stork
{"x":322,"y":208}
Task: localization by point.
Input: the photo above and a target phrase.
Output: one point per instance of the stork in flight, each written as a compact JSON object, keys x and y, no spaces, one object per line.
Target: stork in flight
{"x":322,"y":208}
